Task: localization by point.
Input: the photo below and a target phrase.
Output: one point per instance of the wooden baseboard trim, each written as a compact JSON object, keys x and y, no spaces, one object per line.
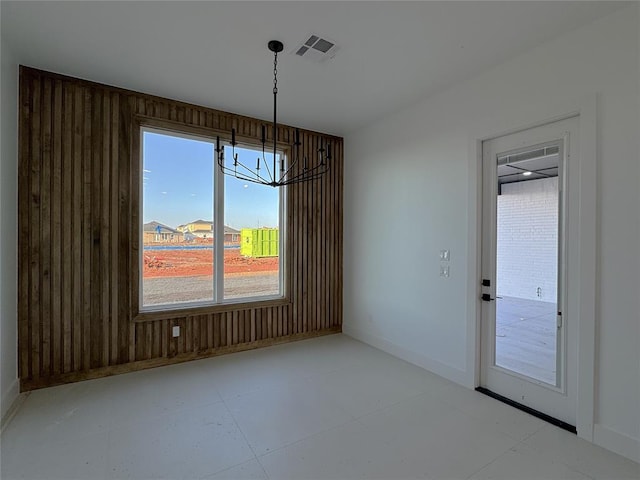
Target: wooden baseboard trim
{"x":28,"y":385}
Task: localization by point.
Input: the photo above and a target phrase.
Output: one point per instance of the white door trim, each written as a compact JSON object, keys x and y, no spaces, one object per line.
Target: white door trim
{"x":585,"y":245}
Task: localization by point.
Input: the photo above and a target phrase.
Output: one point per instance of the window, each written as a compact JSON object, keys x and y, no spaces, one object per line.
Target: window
{"x":206,"y":238}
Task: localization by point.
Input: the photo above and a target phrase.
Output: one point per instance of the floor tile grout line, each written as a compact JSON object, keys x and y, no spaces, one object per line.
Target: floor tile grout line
{"x":391,"y":405}
{"x":496,"y":430}
{"x":173,"y":411}
{"x":551,"y":457}
{"x":245,"y":439}
{"x":302,"y":378}
{"x":211,"y":475}
{"x":558,"y":458}
{"x":257,"y":457}
{"x":352,"y":420}
{"x":500,"y":455}
{"x":519,"y":442}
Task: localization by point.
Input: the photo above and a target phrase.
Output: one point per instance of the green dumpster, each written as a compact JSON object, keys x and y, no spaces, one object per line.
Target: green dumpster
{"x":259,"y":242}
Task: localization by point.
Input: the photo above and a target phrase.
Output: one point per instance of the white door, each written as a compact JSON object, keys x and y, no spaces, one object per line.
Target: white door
{"x":528,"y":336}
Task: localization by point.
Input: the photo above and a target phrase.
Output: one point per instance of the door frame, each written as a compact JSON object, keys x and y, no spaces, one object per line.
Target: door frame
{"x":583,"y":264}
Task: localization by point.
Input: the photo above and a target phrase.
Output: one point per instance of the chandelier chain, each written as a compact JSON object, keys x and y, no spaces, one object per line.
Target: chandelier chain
{"x":275,"y":73}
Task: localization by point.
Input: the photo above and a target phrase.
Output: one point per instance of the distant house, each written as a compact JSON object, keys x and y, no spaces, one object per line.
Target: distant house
{"x":204,"y":229}
{"x":156,"y":232}
{"x":231,"y":235}
{"x":199,"y":228}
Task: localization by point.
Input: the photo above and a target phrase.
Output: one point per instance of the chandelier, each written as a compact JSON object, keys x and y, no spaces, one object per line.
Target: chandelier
{"x":279,"y":174}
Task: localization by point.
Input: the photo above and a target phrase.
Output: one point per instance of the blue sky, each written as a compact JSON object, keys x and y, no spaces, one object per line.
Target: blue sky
{"x":178,"y":185}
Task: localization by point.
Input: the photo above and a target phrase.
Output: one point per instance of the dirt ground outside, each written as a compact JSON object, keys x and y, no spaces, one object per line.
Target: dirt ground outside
{"x":181,"y":275}
{"x":191,"y":262}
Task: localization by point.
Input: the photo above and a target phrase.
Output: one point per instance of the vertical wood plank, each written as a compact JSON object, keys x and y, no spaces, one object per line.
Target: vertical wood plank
{"x":95,"y":167}
{"x":234,"y":338}
{"x":57,"y":247}
{"x":188,"y":334}
{"x":114,"y":230}
{"x":173,"y":342}
{"x":24,"y":189}
{"x":164,"y":329}
{"x":87,"y":230}
{"x":253,"y":325}
{"x":139,"y":333}
{"x":106,"y":271}
{"x":226,"y":332}
{"x":67,"y":229}
{"x":45,"y":229}
{"x":203,"y":340}
{"x":340,"y":221}
{"x":306,"y":241}
{"x":147,"y":350}
{"x":258,"y":317}
{"x":229,"y":326}
{"x":77,"y":228}
{"x":322,"y":248}
{"x":240,"y":327}
{"x":156,"y":342}
{"x":315,"y":267}
{"x":247,"y":326}
{"x":34,"y":239}
{"x":334,"y":229}
{"x":219,"y":336}
{"x":125,"y":109}
{"x":288,"y":260}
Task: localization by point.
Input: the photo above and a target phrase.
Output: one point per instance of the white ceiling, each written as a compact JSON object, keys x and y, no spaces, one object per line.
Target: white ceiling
{"x":214,"y":53}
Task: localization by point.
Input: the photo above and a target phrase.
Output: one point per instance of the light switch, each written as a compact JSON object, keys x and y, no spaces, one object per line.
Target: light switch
{"x":444,"y":270}
{"x":176,"y":331}
{"x":444,"y":255}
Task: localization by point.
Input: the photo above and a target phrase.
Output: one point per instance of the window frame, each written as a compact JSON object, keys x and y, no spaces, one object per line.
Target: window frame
{"x":218,"y":302}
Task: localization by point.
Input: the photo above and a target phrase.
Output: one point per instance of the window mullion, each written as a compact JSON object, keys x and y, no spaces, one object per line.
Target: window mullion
{"x":218,"y":234}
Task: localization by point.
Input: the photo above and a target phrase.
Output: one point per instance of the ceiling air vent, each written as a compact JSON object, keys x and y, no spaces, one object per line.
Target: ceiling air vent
{"x":316,"y":49}
{"x":531,"y":154}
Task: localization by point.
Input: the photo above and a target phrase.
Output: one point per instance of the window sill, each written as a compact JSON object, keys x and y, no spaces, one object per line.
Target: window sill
{"x":164,"y":314}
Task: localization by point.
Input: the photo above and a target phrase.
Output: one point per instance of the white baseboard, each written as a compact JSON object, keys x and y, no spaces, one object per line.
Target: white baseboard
{"x":616,"y":442}
{"x":603,"y":436}
{"x":11,"y":401}
{"x":441,"y":369}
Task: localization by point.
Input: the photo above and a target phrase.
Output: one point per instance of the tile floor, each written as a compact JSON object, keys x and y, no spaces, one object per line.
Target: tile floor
{"x":330,"y":407}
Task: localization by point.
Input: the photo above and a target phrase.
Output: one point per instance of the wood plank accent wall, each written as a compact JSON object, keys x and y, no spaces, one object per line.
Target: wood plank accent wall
{"x":78,"y":214}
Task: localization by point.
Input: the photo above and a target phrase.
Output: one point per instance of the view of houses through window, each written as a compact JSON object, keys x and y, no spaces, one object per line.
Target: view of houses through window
{"x":179,"y":202}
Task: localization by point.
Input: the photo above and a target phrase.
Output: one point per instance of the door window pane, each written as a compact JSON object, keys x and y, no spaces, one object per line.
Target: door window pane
{"x":527,"y":265}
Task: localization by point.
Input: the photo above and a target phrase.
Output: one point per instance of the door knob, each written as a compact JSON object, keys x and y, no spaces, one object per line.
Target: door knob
{"x":486,"y":297}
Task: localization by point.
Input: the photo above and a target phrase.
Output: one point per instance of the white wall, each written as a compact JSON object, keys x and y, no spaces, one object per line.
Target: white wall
{"x":416,"y":171}
{"x":527,"y":240}
{"x":9,"y":387}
